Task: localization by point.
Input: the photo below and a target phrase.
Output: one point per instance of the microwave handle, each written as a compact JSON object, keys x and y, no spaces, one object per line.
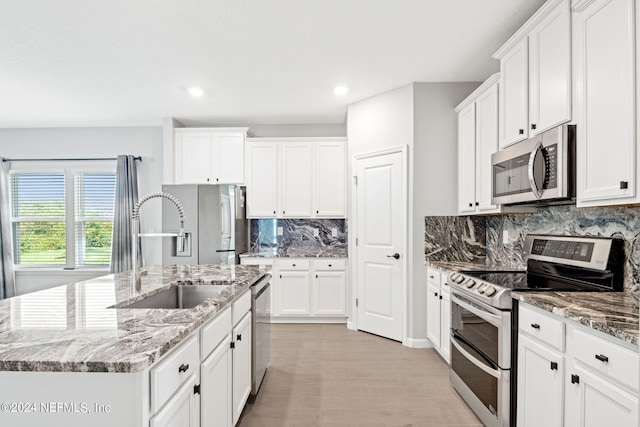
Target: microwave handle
{"x":532,"y":180}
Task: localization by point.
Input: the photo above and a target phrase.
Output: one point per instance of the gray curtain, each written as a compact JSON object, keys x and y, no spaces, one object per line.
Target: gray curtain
{"x":6,"y":242}
{"x":126,"y":198}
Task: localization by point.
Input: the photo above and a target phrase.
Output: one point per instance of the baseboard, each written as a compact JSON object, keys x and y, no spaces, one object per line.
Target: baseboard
{"x":418,"y":343}
{"x":351,"y":325}
{"x":302,"y":319}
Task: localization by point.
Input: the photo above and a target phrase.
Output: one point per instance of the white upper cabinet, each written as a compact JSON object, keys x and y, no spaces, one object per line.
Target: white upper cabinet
{"x":477,"y":141}
{"x":535,"y":68}
{"x":296,"y":177}
{"x":605,"y":73}
{"x":209,"y":155}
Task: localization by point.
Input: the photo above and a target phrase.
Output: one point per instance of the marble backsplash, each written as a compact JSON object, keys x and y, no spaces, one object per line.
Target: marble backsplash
{"x":450,"y":238}
{"x":455,"y":238}
{"x":297,"y":235}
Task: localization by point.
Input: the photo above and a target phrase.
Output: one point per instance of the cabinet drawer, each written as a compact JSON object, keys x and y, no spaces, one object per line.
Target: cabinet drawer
{"x":241,"y":306}
{"x":293,"y":264}
{"x":214,"y":332}
{"x":542,"y":326}
{"x":330,"y":264}
{"x":607,"y":358}
{"x":173,"y":371}
{"x":433,"y":276}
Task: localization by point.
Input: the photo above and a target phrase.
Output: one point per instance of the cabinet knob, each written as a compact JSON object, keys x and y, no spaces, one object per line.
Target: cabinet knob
{"x":431,"y":277}
{"x":477,"y":203}
{"x":316,"y":276}
{"x":217,"y":179}
{"x":575,"y":379}
{"x":533,"y":126}
{"x":602,"y":358}
{"x":317,"y":212}
{"x":624,"y":185}
{"x":183,"y":368}
{"x":440,"y":297}
{"x":293,"y":265}
{"x":207,"y":179}
{"x":535,"y":326}
{"x":239,"y":337}
{"x":329,"y":265}
{"x":435,"y":294}
{"x":274,"y":212}
{"x":554,"y":366}
{"x":283,"y":212}
{"x":521,"y":131}
{"x":470,"y":205}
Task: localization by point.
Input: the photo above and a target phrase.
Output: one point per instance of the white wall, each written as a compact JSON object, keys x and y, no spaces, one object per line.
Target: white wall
{"x":420,"y":116}
{"x":91,"y":142}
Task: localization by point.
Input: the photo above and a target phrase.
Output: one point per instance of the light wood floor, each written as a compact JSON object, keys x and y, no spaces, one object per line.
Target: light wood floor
{"x":327,"y":375}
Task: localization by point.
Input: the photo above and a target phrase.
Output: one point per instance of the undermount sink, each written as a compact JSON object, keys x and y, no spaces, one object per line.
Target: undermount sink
{"x":180,"y":296}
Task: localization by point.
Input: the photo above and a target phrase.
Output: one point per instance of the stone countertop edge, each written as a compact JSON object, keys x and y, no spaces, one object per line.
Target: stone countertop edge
{"x":121,"y":340}
{"x":613,"y":313}
{"x":454,"y":266}
{"x":320,"y":254}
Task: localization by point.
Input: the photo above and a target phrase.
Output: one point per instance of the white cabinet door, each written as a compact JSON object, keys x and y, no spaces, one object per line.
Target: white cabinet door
{"x":229,"y":159}
{"x":329,"y":293}
{"x":550,"y":70}
{"x":293,"y":293}
{"x":241,"y":365}
{"x":181,"y":410}
{"x":467,"y":160}
{"x":540,"y":384}
{"x":330,"y":179}
{"x":445,"y":323}
{"x":606,"y":93}
{"x":593,"y":401}
{"x":216,"y":378}
{"x":433,"y":314}
{"x":196,"y":154}
{"x":296,"y":180}
{"x":262,"y":179}
{"x":486,"y":144}
{"x":514,"y":89}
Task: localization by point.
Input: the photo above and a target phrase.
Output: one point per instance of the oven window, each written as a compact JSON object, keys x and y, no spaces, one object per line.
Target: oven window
{"x":483,"y":385}
{"x":511,"y":176}
{"x":482,"y":335}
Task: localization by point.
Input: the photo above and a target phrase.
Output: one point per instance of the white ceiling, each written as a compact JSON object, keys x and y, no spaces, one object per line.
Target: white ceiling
{"x":128,"y":62}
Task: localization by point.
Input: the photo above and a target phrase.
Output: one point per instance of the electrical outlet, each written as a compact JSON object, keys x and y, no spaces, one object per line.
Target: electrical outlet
{"x":334,"y":232}
{"x":505,"y":237}
{"x":280,"y":231}
{"x":316,"y":232}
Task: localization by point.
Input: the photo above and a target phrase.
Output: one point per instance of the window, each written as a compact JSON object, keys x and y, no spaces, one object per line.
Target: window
{"x":62,"y":219}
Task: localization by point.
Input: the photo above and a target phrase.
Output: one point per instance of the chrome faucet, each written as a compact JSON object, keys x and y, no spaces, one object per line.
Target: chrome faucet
{"x":180,"y":239}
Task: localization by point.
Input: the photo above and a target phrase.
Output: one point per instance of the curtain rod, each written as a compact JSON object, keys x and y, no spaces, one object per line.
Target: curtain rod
{"x":67,"y":160}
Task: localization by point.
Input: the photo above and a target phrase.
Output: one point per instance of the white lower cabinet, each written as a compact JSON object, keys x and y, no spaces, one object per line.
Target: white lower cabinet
{"x":182,"y":408}
{"x":306,"y":290}
{"x":216,"y":376}
{"x":571,"y":375}
{"x":241,"y":365}
{"x":439,"y":312}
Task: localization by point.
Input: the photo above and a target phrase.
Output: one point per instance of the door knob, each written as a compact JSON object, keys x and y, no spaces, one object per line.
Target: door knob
{"x":396,"y":256}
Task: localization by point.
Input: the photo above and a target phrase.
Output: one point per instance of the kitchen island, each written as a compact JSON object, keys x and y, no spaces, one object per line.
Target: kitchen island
{"x":75,"y":355}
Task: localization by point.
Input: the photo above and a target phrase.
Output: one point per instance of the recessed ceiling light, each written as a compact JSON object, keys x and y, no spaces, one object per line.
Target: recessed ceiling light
{"x":340,"y":90}
{"x":196,"y":91}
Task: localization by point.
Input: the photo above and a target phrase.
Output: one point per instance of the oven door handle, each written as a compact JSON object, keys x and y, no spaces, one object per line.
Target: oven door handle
{"x":493,"y":372}
{"x":494,"y":319}
{"x":532,"y":179}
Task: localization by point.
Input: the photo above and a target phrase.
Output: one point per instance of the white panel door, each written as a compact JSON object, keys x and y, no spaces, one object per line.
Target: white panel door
{"x":485,"y":145}
{"x":606,"y":154}
{"x":550,"y":70}
{"x":296,"y":179}
{"x":330,"y":179}
{"x":241,"y":365}
{"x":433,"y":315}
{"x":381,"y":213}
{"x":262,"y":179}
{"x":540,"y":385}
{"x":216,"y":378}
{"x":329,"y":293}
{"x":293,"y":293}
{"x":229,"y":159}
{"x":196,"y":158}
{"x":514,"y":89}
{"x":467,"y":159}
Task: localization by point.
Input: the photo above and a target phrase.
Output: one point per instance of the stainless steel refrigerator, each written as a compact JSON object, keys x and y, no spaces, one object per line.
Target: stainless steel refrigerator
{"x":215,"y":224}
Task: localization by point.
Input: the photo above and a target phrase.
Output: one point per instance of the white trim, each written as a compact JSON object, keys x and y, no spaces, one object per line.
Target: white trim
{"x":418,"y":343}
{"x":350,"y":325}
{"x":212,"y":129}
{"x":298,"y":139}
{"x":404,"y":151}
{"x":308,"y":319}
{"x":494,"y":78}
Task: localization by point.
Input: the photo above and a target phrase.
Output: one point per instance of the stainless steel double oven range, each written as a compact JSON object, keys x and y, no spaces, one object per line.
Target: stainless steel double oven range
{"x":484,"y":315}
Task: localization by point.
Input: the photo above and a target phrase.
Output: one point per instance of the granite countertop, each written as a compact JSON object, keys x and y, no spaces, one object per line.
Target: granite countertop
{"x":614,"y":313}
{"x":73,"y":328}
{"x":462,"y":266}
{"x":298,"y":253}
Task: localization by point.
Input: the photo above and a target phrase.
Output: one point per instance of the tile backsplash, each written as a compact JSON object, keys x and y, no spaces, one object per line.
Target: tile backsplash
{"x":444,"y":235}
{"x":297,"y":235}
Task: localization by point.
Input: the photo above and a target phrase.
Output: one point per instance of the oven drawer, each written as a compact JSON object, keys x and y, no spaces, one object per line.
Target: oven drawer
{"x":542,"y":327}
{"x":607,"y":358}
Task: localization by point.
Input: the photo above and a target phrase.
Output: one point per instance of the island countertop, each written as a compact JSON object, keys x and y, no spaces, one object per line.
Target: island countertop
{"x":74,"y":328}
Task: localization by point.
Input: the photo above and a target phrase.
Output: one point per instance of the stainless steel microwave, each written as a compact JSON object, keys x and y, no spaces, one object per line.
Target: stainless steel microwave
{"x":538,"y":170}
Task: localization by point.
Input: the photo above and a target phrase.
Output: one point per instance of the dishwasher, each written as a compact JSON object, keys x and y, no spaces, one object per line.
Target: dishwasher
{"x":261,"y":336}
